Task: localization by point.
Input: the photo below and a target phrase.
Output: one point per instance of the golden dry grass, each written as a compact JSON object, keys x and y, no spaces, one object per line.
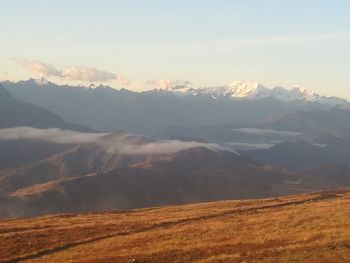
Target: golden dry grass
{"x":305,"y":228}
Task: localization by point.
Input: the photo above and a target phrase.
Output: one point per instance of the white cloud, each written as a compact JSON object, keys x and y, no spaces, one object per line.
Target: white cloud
{"x":166,"y":83}
{"x":248,"y":146}
{"x":159,"y":147}
{"x":266,"y":132}
{"x":122,"y":80}
{"x":88,"y":74}
{"x":52,"y":135}
{"x":39,"y":68}
{"x":125,"y":144}
{"x":160,"y":83}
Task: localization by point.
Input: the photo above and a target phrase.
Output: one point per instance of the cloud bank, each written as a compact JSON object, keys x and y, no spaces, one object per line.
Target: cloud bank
{"x":263,"y":132}
{"x":244,"y":146}
{"x":88,"y":74}
{"x":51,"y":135}
{"x":160,"y":147}
{"x":125,"y":144}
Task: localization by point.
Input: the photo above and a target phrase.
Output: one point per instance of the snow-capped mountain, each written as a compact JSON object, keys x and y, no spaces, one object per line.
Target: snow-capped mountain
{"x":238,"y":90}
{"x":301,"y":94}
{"x":251,"y":91}
{"x":108,"y":109}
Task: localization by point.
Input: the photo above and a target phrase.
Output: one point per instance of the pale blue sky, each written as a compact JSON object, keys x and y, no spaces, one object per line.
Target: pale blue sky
{"x":208,"y":42}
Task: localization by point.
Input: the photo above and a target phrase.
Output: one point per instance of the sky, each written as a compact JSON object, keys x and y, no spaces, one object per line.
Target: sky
{"x":141,"y":44}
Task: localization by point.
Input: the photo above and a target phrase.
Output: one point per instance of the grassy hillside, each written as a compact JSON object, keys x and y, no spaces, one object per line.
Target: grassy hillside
{"x":304,"y":228}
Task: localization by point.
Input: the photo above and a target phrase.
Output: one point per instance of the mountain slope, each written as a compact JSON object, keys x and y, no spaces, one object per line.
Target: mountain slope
{"x":313,"y":123}
{"x":94,"y":176}
{"x":305,"y":156}
{"x":15,"y":153}
{"x":303,"y":228}
{"x":305,"y":125}
{"x":14,"y":113}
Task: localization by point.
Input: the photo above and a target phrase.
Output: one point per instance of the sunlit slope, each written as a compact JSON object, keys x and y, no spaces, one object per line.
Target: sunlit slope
{"x":304,"y":228}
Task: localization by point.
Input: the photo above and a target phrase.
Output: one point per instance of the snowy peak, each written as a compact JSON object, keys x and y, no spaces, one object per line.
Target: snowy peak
{"x":295,"y":94}
{"x":309,"y":95}
{"x":237,"y":89}
{"x":242,"y":89}
{"x":304,"y":93}
{"x":253,"y":90}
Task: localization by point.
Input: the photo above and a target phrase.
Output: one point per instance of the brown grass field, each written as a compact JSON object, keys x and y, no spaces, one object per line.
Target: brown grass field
{"x":304,"y":228}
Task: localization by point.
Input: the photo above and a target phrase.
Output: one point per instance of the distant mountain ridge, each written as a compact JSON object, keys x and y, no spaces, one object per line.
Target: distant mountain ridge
{"x":305,"y":156}
{"x":299,"y":125}
{"x":251,"y":91}
{"x":235,"y":90}
{"x":104,"y":108}
{"x":14,"y":113}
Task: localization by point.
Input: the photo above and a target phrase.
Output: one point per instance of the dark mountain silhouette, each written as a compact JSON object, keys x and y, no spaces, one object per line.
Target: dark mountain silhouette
{"x":313,"y":123}
{"x":299,"y":125}
{"x":305,"y":156}
{"x":15,"y":113}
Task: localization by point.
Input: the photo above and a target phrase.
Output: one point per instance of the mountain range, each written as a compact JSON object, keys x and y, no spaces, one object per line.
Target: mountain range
{"x":253,"y":91}
{"x":123,"y":171}
{"x":107,"y":109}
{"x":305,"y":156}
{"x":205,"y":146}
{"x":14,"y":113}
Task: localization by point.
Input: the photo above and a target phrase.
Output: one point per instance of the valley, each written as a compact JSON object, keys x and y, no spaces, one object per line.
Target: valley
{"x":174,"y":131}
